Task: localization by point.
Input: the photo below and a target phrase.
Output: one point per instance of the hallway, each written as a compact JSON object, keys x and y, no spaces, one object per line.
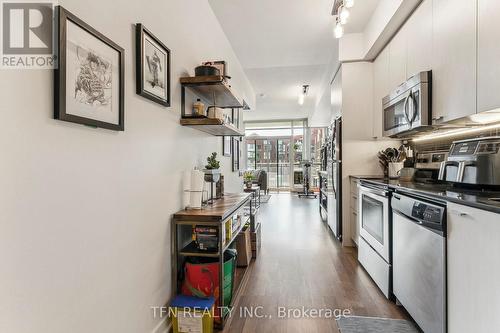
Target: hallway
{"x":301,"y":265}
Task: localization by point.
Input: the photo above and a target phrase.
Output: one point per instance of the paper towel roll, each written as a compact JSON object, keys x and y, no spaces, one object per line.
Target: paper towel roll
{"x":186,"y":186}
{"x":197,"y":182}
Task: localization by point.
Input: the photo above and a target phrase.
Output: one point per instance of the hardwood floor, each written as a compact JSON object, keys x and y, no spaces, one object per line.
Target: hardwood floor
{"x":301,"y":265}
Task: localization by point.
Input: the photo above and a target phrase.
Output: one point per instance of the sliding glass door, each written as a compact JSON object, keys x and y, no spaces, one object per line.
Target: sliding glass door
{"x":272,"y":156}
{"x":283,"y":164}
{"x":279,"y":148}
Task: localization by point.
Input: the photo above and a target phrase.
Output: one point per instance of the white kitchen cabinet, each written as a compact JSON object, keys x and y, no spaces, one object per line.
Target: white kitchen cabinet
{"x":454,"y":60}
{"x":357,"y":101}
{"x":397,"y":58}
{"x":488,"y":52}
{"x":381,"y":89}
{"x":419,"y":40}
{"x":473,"y":270}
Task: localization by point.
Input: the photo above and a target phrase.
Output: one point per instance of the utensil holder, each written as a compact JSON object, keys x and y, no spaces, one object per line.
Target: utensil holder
{"x":395,"y":169}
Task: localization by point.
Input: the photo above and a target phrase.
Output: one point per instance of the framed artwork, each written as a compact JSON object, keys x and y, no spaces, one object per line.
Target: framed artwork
{"x":226,"y":146}
{"x":88,"y":83}
{"x":152,"y":67}
{"x":235,"y":117}
{"x":235,"y":154}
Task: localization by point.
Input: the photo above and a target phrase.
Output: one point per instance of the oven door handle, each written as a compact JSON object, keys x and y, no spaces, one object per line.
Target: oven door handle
{"x":381,"y":193}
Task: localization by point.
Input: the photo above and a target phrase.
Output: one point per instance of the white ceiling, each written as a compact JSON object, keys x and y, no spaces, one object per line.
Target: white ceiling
{"x":360,"y":14}
{"x":283,"y":44}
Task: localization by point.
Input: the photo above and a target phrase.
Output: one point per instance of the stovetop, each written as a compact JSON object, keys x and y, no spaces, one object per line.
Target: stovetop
{"x":445,"y":191}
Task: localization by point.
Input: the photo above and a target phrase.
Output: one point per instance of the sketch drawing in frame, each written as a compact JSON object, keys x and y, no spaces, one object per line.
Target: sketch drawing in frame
{"x":152,"y":67}
{"x":88,"y":84}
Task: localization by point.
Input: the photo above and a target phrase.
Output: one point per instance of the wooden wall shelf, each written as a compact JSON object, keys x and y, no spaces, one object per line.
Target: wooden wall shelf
{"x":213,"y":89}
{"x":212,"y":126}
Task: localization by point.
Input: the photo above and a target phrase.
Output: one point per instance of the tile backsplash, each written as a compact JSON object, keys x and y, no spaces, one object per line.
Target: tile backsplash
{"x":444,"y":144}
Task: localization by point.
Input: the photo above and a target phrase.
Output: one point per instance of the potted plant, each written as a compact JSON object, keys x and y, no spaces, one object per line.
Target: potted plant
{"x":212,"y":172}
{"x":248,"y":178}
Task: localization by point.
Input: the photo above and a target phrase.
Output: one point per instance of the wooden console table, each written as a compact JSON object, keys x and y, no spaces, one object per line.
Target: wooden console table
{"x":212,"y":215}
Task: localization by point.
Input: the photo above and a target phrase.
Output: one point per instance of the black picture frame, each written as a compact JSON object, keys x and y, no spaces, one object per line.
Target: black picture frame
{"x":235,"y":154}
{"x":140,"y":33}
{"x":63,"y":16}
{"x":226,"y":146}
{"x":235,"y":117}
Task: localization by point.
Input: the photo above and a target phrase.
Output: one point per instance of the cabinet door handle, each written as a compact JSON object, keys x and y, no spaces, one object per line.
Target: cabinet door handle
{"x":438,"y":118}
{"x":462,"y":214}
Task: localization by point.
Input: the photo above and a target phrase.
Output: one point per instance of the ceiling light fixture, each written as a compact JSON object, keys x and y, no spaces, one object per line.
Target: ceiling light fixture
{"x":303,"y":93}
{"x":341,"y":13}
{"x":344,"y":14}
{"x":339,"y":30}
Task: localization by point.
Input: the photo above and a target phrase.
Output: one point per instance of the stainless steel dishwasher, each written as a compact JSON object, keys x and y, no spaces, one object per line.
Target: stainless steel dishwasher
{"x":419,"y":260}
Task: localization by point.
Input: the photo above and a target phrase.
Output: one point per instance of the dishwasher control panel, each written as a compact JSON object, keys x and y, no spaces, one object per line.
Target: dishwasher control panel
{"x":427,"y":213}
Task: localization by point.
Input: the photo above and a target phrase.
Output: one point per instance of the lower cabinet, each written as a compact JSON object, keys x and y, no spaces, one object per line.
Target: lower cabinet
{"x":354,"y":211}
{"x":473,"y":270}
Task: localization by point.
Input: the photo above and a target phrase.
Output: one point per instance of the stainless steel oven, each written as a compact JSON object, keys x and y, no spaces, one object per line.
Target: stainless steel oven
{"x":408,"y":108}
{"x":374,"y":249}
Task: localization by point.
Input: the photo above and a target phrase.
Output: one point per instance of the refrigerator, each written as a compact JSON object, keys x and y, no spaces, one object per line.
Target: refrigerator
{"x":334,"y":171}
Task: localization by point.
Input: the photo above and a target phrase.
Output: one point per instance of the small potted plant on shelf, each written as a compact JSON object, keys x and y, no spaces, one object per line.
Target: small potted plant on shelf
{"x":248,"y":178}
{"x":212,"y":172}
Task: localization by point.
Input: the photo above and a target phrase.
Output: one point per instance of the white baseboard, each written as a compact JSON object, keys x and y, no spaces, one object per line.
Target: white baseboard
{"x":163,"y":326}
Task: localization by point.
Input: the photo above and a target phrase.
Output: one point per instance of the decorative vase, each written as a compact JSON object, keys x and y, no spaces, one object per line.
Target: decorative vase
{"x":249,"y":184}
{"x":212,"y":175}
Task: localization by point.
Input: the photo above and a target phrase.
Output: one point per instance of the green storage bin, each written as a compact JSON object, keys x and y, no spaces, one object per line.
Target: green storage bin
{"x":229,"y":269}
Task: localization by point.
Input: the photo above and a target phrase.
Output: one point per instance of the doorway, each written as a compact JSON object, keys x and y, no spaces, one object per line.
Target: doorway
{"x":273,"y":156}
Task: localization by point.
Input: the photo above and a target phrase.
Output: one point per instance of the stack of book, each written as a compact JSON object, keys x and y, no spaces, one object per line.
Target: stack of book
{"x":206,"y":238}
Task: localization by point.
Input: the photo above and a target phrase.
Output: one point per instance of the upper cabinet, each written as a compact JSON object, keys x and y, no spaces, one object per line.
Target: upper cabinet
{"x":397,"y":58}
{"x":419,"y":37}
{"x":454,"y":59}
{"x":458,"y":41}
{"x":488,"y":52}
{"x":381,"y":89}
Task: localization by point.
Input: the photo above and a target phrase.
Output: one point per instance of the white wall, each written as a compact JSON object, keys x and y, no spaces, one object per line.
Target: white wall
{"x":359,"y":149}
{"x":85,"y":213}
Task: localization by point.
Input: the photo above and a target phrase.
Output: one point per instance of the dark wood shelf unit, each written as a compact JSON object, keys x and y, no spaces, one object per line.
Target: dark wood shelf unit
{"x":214,"y":91}
{"x":212,"y":126}
{"x":213,"y":215}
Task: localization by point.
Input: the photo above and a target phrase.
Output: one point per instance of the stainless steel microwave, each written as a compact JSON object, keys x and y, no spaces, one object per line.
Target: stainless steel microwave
{"x":408,"y":108}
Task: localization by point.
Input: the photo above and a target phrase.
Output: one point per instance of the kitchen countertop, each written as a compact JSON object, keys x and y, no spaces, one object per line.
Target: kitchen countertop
{"x":443,"y":192}
{"x":366,"y":177}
